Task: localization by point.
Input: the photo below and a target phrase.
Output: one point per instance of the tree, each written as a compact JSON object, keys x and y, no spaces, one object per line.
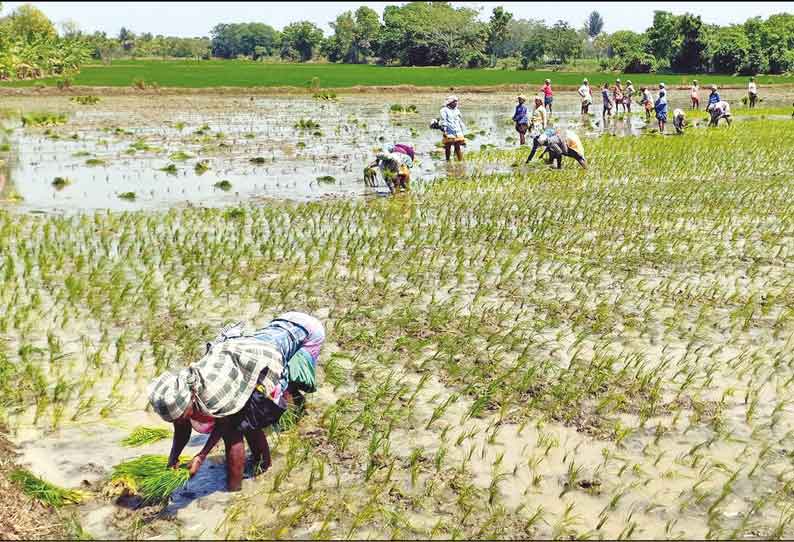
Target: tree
{"x":534,"y":47}
{"x":28,"y":23}
{"x":519,"y":31}
{"x":563,"y":41}
{"x":690,"y":55}
{"x":300,"y":41}
{"x":248,"y":39}
{"x":366,"y":31}
{"x":497,"y":31}
{"x":70,"y":29}
{"x":728,"y":50}
{"x":594,"y":24}
{"x":663,"y":36}
{"x":126,"y":39}
{"x":342,"y":45}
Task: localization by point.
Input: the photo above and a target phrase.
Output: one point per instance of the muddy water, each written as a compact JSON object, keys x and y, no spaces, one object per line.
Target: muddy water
{"x":136,"y":137}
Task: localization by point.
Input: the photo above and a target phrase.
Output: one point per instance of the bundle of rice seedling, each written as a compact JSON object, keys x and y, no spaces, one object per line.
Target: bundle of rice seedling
{"x":150,"y":478}
{"x":143,"y":435}
{"x":44,"y":491}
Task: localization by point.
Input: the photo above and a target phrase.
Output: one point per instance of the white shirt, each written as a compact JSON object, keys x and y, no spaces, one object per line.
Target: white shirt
{"x":452,"y":121}
{"x":585,"y":94}
{"x":751,"y":88}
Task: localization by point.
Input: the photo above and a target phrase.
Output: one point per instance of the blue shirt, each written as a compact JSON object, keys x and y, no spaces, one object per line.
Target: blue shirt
{"x":605,"y":96}
{"x":714,"y":97}
{"x":521,"y":116}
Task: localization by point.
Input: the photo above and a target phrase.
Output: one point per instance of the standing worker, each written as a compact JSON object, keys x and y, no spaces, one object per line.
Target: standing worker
{"x":607,"y":111}
{"x":451,"y":122}
{"x":694,"y":94}
{"x":521,"y":118}
{"x":627,"y":95}
{"x":548,"y":96}
{"x":752,"y":92}
{"x":539,"y":118}
{"x":661,"y":107}
{"x":617,"y":94}
{"x":586,"y":95}
{"x":558,"y":145}
{"x":646,"y":100}
{"x":714,"y":97}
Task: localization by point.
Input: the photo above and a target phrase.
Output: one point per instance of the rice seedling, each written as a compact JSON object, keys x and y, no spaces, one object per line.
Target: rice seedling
{"x":44,"y":491}
{"x":95,"y":162}
{"x":128,"y":196}
{"x":142,"y":435}
{"x":59,"y":183}
{"x":85,"y":100}
{"x":149,"y":477}
{"x":43,"y":119}
{"x":326,"y":179}
{"x":171,"y":169}
{"x":223,"y":185}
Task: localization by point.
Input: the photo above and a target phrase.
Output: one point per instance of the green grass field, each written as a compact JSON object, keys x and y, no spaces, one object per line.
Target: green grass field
{"x":228,"y":73}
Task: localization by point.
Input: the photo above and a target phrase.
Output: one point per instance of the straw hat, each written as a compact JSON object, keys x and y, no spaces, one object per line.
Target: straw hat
{"x":450,"y":99}
{"x":547,"y":81}
{"x":539,"y":99}
{"x":521,"y":97}
{"x":628,"y":81}
{"x":713,"y":87}
{"x":661,"y":85}
{"x":585,"y":80}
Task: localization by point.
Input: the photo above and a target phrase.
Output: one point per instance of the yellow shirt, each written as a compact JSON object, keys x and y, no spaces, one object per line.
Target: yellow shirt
{"x":539,"y":117}
{"x":574,"y":143}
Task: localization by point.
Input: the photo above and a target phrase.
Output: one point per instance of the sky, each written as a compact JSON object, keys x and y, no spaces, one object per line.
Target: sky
{"x":197,"y":18}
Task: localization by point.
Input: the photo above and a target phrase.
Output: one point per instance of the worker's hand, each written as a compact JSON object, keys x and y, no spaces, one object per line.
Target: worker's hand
{"x":195,"y":465}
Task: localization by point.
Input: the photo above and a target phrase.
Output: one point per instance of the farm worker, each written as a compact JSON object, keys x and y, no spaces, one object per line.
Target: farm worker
{"x":628,"y":93}
{"x":720,"y":110}
{"x":559,"y":144}
{"x":714,"y":97}
{"x":240,"y":386}
{"x":548,"y":95}
{"x":647,"y":102}
{"x":679,"y":120}
{"x":694,"y":94}
{"x":617,"y":93}
{"x":521,"y":118}
{"x":451,"y":122}
{"x":607,"y":103}
{"x":395,"y":163}
{"x":586,"y":95}
{"x":539,"y":118}
{"x":752,"y":92}
{"x":661,"y":107}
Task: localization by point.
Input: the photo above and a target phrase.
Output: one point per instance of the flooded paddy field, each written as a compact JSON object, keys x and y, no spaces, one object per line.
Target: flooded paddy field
{"x":513,"y":351}
{"x":165,"y":151}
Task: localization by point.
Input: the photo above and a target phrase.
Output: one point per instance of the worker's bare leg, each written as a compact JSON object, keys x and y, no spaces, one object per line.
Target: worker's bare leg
{"x":235,"y":458}
{"x":260,"y":451}
{"x":458,"y":151}
{"x":447,"y":150}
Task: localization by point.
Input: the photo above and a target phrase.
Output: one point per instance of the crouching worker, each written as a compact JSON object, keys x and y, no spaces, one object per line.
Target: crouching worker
{"x":719,"y":110}
{"x":679,"y":121}
{"x":558,"y":145}
{"x":241,"y":386}
{"x":395,"y":163}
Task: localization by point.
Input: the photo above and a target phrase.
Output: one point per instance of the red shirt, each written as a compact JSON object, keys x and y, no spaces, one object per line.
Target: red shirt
{"x":547,"y":90}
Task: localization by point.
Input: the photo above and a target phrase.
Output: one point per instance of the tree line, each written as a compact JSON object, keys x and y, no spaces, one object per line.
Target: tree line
{"x":431,"y":34}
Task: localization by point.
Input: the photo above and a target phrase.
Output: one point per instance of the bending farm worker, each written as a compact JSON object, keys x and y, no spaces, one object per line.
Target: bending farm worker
{"x":586,"y":96}
{"x":521,"y":118}
{"x":395,"y":163}
{"x":679,"y":120}
{"x":720,"y":110}
{"x":548,"y":96}
{"x":451,"y":123}
{"x":559,"y":144}
{"x":661,"y":107}
{"x":239,"y":387}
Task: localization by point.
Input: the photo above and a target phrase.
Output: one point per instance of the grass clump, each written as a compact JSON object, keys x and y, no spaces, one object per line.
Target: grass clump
{"x":170,"y":168}
{"x":43,"y":119}
{"x":223,"y":185}
{"x":44,"y":491}
{"x":325,"y":96}
{"x":326,"y":179}
{"x":202,"y":166}
{"x":61,"y":182}
{"x":258,"y":160}
{"x":400,"y":108}
{"x":95,"y":162}
{"x":143,"y":435}
{"x":128,"y":196}
{"x":150,"y":478}
{"x":181,"y":155}
{"x":307,"y":124}
{"x":85,"y":100}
